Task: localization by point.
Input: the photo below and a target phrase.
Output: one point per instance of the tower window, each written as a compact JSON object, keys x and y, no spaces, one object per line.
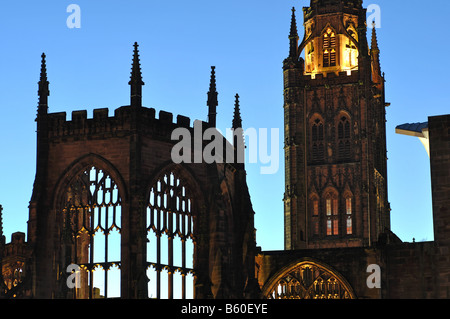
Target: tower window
{"x":315,"y":216}
{"x":344,"y":145}
{"x":332,"y":215}
{"x":317,"y":137}
{"x":348,"y":204}
{"x":329,"y":48}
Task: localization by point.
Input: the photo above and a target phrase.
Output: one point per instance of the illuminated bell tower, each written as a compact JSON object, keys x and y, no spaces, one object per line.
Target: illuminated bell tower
{"x":335,"y":138}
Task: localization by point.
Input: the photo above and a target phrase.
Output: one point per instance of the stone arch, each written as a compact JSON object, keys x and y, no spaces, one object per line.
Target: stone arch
{"x":81,"y":164}
{"x":87,"y":211}
{"x":307,"y":278}
{"x":174,"y":203}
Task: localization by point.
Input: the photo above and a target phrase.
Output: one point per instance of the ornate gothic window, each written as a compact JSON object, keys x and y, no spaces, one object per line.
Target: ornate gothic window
{"x":13,"y":274}
{"x":349,"y":213}
{"x":315,"y":215}
{"x":317,"y":136}
{"x":170,"y":237}
{"x":329,"y":48}
{"x":344,"y":149}
{"x":332,"y":215}
{"x":91,"y":233}
{"x":308,"y":280}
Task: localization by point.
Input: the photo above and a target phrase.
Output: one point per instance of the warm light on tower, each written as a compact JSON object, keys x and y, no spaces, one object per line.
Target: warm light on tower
{"x":330,"y":52}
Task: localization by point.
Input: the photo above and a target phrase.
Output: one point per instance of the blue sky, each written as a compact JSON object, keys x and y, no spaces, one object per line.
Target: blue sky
{"x":89,"y":68}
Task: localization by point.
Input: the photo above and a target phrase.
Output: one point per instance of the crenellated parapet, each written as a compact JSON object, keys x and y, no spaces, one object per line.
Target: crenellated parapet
{"x":81,"y":126}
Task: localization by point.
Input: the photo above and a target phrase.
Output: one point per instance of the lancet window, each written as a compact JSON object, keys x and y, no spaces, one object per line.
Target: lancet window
{"x":317,"y":136}
{"x":344,"y":142}
{"x":329,"y":48}
{"x":332,"y":214}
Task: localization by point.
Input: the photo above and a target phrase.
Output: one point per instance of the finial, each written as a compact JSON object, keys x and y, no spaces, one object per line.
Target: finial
{"x":374,"y":44}
{"x":43,"y":90}
{"x":136,"y":78}
{"x":294,"y":32}
{"x":212,"y":98}
{"x":43,"y":77}
{"x":238,"y":135}
{"x":212,"y":82}
{"x":293,"y":37}
{"x":237,"y":120}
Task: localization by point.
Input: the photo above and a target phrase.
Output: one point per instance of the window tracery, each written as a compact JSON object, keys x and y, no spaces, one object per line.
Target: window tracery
{"x":349,"y":215}
{"x":170,"y":237}
{"x":308,"y":280}
{"x":317,"y":137}
{"x":315,"y":218}
{"x":332,"y":214}
{"x":13,"y":275}
{"x":91,"y":233}
{"x":329,"y":48}
{"x":344,"y":135}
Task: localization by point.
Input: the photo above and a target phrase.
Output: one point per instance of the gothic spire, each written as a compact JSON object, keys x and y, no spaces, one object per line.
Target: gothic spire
{"x":212,"y":99}
{"x":293,"y":36}
{"x":294,"y":33}
{"x":374,"y":44}
{"x":43,"y":90}
{"x":136,"y":82}
{"x":375,"y":57}
{"x":237,"y":121}
{"x":238,"y":134}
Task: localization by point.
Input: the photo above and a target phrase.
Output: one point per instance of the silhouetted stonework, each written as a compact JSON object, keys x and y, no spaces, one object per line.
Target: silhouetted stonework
{"x":108,"y":175}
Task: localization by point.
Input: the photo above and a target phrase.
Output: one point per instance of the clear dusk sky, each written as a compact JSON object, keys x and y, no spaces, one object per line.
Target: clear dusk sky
{"x":247,"y":41}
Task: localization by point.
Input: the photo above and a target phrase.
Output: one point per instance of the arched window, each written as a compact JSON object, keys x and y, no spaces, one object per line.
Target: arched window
{"x":13,"y":274}
{"x":91,"y":233}
{"x":315,"y":219}
{"x":317,"y":137}
{"x":170,"y":237}
{"x":332,"y":214}
{"x":308,"y":280}
{"x":329,"y":48}
{"x":349,"y":214}
{"x":344,"y":146}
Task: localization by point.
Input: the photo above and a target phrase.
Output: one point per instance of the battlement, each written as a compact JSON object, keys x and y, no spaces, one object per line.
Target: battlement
{"x":122,"y":121}
{"x":17,"y":246}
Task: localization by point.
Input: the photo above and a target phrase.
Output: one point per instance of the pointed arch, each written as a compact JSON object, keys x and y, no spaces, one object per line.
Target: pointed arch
{"x":81,"y":164}
{"x":344,"y":135}
{"x":329,"y":46}
{"x":315,"y":213}
{"x":174,"y":199}
{"x":307,"y":278}
{"x":331,"y":211}
{"x":317,"y":137}
{"x":88,"y":217}
{"x":349,"y":212}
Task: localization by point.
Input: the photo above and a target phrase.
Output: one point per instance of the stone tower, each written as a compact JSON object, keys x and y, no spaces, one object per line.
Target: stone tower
{"x":335,"y":139}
